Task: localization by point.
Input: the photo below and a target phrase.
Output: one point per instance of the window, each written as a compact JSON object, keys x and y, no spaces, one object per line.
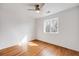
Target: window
{"x":51,"y":25}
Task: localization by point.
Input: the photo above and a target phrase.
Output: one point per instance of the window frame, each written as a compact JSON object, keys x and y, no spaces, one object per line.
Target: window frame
{"x":50,"y":23}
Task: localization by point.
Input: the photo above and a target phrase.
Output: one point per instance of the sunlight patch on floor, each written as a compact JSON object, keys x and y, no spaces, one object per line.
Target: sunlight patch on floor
{"x":32,"y":44}
{"x":47,"y":52}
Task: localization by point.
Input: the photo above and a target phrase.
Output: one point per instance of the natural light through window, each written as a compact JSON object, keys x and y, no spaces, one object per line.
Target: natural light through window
{"x":23,"y":40}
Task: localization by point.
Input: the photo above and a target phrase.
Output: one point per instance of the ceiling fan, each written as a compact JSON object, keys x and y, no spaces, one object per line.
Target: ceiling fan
{"x":37,"y":7}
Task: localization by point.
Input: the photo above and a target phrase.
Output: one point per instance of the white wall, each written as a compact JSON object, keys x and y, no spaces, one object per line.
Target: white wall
{"x":14,"y":25}
{"x":68,"y":35}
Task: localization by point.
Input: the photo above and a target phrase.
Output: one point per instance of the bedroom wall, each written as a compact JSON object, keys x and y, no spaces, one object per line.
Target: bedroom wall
{"x":15,"y":25}
{"x":68,"y":35}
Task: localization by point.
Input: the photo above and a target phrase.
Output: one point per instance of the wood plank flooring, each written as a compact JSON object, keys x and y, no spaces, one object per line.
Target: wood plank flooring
{"x":38,"y":48}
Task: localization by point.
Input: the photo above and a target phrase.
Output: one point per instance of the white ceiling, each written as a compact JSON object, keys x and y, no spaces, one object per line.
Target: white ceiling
{"x":21,"y":8}
{"x":52,"y":7}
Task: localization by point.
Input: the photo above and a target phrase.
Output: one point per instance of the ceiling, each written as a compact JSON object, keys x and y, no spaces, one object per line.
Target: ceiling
{"x":49,"y":8}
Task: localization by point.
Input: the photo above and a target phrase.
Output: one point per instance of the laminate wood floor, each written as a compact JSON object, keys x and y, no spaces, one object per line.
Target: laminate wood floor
{"x":38,"y":48}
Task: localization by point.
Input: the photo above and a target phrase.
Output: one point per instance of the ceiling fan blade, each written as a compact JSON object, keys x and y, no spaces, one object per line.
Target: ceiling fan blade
{"x":42,"y":5}
{"x":31,"y":9}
